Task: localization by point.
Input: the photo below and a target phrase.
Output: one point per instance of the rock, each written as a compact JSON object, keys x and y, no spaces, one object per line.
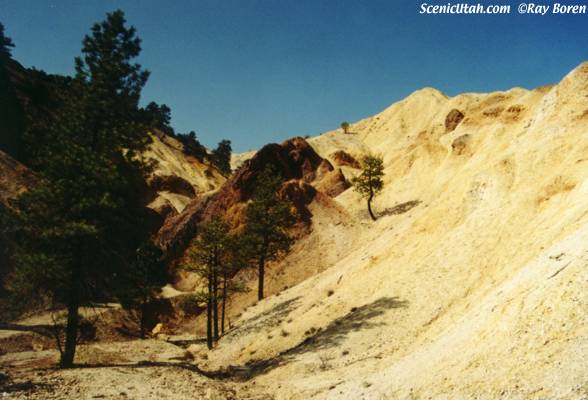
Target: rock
{"x":334,"y":183}
{"x":300,"y":194}
{"x":343,"y":158}
{"x":173,"y":184}
{"x":177,"y":231}
{"x":453,"y":119}
{"x":157,"y":329}
{"x":164,"y":208}
{"x":460,"y":144}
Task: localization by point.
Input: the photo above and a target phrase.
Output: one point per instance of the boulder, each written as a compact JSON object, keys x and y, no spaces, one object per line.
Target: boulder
{"x":453,"y":119}
{"x":343,"y":158}
{"x":334,"y":183}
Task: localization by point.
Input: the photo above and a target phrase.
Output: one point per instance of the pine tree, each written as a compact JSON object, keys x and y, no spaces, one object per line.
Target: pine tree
{"x":11,"y":112}
{"x":237,"y":258}
{"x":221,"y":156}
{"x":5,"y":44}
{"x":80,"y":225}
{"x":192,"y":145}
{"x":159,"y":117}
{"x":267,"y":218}
{"x":207,"y":257}
{"x":345,"y":127}
{"x":369,"y":183}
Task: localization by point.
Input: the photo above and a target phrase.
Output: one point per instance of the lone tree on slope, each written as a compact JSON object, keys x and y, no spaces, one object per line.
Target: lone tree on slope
{"x":267,"y":219}
{"x":345,"y":127}
{"x":369,"y":183}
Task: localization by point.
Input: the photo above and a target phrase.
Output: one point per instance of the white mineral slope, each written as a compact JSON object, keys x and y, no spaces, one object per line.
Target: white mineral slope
{"x":170,"y":160}
{"x":477,"y":288}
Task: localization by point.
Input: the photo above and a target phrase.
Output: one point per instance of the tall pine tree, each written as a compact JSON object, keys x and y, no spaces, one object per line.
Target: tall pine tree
{"x":80,"y":226}
{"x":207,"y":259}
{"x":221,"y":156}
{"x":267,"y":218}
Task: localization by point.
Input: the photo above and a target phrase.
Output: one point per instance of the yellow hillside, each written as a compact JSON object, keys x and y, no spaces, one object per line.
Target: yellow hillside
{"x":171,"y":161}
{"x":473,"y":283}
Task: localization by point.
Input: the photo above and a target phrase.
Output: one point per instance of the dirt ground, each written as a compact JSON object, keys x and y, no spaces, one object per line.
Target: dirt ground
{"x":148,"y":369}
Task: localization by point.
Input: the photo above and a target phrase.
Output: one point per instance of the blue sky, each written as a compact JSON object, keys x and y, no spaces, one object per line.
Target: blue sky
{"x":257,"y":71}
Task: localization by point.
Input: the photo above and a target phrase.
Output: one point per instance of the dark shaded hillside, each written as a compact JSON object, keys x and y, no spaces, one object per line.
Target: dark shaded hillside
{"x":11,"y":110}
{"x":14,"y":179}
{"x":26,"y":94}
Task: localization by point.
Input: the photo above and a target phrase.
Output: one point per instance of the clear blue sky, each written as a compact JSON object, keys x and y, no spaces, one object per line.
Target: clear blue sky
{"x":261,"y":71}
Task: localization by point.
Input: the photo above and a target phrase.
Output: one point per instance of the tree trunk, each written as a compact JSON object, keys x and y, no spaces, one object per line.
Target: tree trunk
{"x":209,"y":314}
{"x":215,"y":304}
{"x":71,"y":331}
{"x":142,"y":316}
{"x":261,"y":277}
{"x":370,"y":206}
{"x":225,"y":279}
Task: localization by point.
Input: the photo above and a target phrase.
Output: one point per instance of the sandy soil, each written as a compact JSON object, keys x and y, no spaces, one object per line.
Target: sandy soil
{"x":149,"y":369}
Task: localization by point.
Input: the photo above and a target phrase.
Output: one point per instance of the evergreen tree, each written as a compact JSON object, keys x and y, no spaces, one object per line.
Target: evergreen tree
{"x":369,"y":183}
{"x":345,"y":127}
{"x":192,"y":146}
{"x":237,"y":257}
{"x":207,"y":256}
{"x":268,"y":218}
{"x":11,"y":113}
{"x":221,"y":156}
{"x":80,"y":225}
{"x":5,"y":44}
{"x":159,"y":117}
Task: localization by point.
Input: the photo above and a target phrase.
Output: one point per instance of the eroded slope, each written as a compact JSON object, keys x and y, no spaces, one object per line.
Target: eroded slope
{"x":473,"y":281}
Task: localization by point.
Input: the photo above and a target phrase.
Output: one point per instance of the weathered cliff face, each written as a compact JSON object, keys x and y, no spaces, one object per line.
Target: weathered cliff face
{"x":293,"y":160}
{"x":177,"y":179}
{"x":304,"y":173}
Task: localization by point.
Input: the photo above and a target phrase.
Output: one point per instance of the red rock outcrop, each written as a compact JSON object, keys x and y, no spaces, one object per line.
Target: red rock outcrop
{"x":304,"y":173}
{"x":453,"y":119}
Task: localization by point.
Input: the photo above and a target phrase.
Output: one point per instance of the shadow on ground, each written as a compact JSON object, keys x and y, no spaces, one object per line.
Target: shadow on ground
{"x":360,"y":318}
{"x":41,"y":329}
{"x":271,"y":317}
{"x":401,"y":208}
{"x":333,"y":335}
{"x":8,"y":387}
